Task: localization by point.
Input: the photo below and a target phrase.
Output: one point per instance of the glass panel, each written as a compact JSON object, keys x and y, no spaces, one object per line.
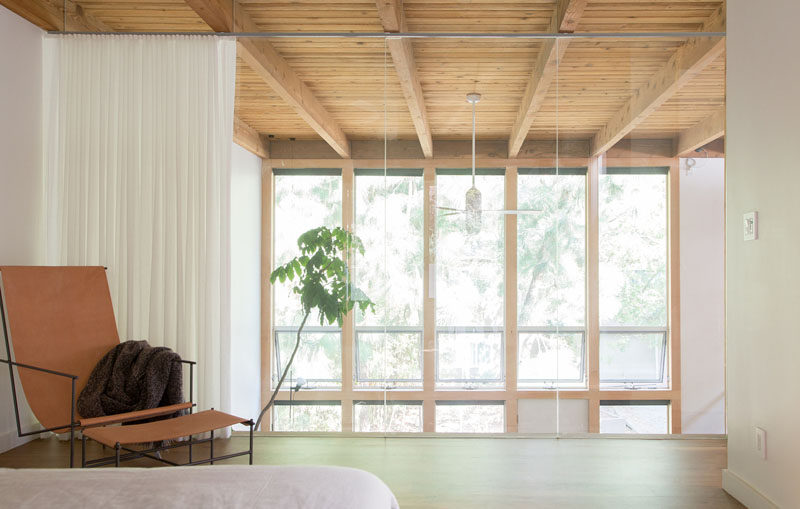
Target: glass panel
{"x":548,"y":358}
{"x":632,"y":357}
{"x":469,"y":358}
{"x":634,"y":417}
{"x":538,"y":415}
{"x":469,"y":253}
{"x":389,"y":359}
{"x":389,"y":222}
{"x":633,"y":250}
{"x":318,"y":360}
{"x":454,"y":417}
{"x":551,"y":250}
{"x":302,"y":202}
{"x":392,"y":417}
{"x":307,"y":416}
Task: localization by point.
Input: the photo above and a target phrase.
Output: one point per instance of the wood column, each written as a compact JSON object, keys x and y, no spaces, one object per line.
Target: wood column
{"x":512,"y":416}
{"x":593,"y":291}
{"x":429,"y":301}
{"x":674,"y":278}
{"x":348,"y":330}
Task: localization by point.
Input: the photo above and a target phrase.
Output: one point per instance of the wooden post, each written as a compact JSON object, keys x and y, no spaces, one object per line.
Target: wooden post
{"x":593,"y":291}
{"x":348,"y":329}
{"x":511,"y":300}
{"x":674,"y":278}
{"x":429,"y":300}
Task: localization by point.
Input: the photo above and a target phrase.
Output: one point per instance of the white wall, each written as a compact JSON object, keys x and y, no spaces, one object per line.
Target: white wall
{"x":20,"y":171}
{"x":245,"y":282}
{"x":763,"y":276}
{"x":702,"y":200}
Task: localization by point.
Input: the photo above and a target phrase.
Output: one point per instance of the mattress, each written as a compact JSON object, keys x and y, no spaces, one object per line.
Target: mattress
{"x":228,"y":486}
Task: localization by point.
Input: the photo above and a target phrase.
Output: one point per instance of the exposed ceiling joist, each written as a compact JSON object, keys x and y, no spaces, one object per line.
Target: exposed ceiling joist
{"x":249,"y":139}
{"x":569,"y":13}
{"x":706,"y":131}
{"x":392,"y":16}
{"x":262,"y":57}
{"x":565,"y":19}
{"x":690,"y":58}
{"x":49,"y":14}
{"x":393,"y":20}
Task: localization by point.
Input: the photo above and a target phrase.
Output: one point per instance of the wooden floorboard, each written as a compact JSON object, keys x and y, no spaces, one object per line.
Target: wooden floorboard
{"x":483,"y":472}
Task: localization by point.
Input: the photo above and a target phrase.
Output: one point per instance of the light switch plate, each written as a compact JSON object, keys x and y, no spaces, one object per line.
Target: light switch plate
{"x":750,"y":225}
{"x":761,"y":442}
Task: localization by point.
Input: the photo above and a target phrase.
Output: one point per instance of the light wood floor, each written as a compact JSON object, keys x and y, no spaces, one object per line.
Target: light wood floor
{"x":485,"y":472}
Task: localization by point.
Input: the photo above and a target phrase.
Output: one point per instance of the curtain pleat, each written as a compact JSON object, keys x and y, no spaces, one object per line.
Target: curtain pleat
{"x":137,"y":178}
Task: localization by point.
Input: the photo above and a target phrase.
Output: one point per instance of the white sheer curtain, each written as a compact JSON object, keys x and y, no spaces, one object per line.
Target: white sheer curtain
{"x":137,"y":159}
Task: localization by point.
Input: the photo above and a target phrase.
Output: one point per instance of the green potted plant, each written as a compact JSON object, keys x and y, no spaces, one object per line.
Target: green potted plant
{"x":322,"y":280}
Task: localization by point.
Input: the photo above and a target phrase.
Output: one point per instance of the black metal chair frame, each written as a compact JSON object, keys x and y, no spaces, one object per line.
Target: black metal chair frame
{"x":75,"y":425}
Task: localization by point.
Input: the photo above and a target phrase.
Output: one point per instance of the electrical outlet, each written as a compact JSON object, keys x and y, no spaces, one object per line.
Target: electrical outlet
{"x":761,"y":442}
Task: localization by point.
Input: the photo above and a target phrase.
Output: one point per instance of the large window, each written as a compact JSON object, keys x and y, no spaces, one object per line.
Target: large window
{"x":551,"y":277}
{"x":393,"y":371}
{"x":470,"y":281}
{"x":389,"y":221}
{"x":633,"y":276}
{"x":304,"y":200}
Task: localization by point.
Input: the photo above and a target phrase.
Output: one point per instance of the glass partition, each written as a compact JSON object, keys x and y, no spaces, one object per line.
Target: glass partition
{"x":523,"y":263}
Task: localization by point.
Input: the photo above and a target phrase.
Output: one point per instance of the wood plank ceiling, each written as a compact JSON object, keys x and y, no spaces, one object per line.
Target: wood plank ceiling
{"x":414,"y":89}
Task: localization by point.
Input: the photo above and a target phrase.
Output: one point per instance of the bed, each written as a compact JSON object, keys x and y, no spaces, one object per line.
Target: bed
{"x":229,"y":486}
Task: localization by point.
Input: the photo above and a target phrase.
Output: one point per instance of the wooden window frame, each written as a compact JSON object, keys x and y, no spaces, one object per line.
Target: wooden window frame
{"x":510,"y":395}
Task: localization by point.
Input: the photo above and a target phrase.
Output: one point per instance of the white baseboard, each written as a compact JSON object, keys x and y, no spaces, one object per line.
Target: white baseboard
{"x":745,"y":493}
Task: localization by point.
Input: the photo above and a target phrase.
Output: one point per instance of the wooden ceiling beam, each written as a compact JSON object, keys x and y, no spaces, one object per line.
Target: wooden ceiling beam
{"x":49,"y":15}
{"x":393,"y":20}
{"x":265,"y":60}
{"x":569,"y":13}
{"x":249,"y":139}
{"x":565,"y":19}
{"x":690,"y":58}
{"x":700,"y":135}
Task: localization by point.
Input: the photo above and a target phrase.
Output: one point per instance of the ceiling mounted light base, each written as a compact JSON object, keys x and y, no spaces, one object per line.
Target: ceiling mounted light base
{"x":473,"y":98}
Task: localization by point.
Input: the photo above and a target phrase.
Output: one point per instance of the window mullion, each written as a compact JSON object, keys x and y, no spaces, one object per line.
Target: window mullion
{"x":593,"y":291}
{"x":510,"y":288}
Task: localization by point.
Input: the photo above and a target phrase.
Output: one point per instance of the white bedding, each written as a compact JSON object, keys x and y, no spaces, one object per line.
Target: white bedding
{"x":205,"y":486}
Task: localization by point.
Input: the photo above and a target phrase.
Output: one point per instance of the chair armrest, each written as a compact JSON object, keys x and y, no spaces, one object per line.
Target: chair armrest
{"x":134,"y":416}
{"x":37,"y":368}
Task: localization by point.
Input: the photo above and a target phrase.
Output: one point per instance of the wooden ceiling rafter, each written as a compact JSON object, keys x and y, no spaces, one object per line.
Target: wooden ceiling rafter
{"x":249,"y":139}
{"x":688,"y":61}
{"x":707,"y":130}
{"x":402,"y":51}
{"x":265,"y":60}
{"x":565,"y":19}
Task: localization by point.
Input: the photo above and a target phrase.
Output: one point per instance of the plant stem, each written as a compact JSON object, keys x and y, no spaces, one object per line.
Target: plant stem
{"x":285,"y":372}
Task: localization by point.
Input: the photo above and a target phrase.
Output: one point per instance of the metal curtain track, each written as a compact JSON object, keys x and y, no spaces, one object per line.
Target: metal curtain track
{"x":414,"y":35}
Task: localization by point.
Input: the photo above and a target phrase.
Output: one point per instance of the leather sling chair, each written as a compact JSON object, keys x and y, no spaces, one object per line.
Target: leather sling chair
{"x":58,"y":322}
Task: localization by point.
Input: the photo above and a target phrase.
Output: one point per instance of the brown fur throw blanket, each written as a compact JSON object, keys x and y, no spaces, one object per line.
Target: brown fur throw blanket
{"x":132,"y":376}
